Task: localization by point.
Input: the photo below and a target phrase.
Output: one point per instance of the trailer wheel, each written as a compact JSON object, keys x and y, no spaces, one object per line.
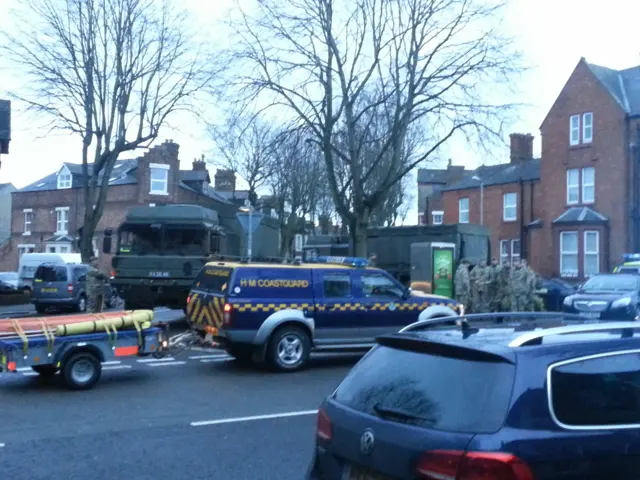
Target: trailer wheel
{"x":81,"y":371}
{"x":45,"y":370}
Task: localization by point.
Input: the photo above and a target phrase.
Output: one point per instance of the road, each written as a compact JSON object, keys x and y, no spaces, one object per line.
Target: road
{"x":188,"y":416}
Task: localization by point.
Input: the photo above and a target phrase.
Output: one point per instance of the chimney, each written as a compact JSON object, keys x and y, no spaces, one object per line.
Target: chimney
{"x":199,"y":165}
{"x":521,"y":147}
{"x":454,"y":172}
{"x":225,"y":181}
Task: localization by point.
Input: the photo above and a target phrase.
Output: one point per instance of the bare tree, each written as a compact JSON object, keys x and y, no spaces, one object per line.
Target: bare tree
{"x":432,"y":63}
{"x":109,"y":71}
{"x":245,"y":145}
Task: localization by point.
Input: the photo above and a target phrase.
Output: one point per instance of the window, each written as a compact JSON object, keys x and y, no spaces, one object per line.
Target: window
{"x":573,"y":186}
{"x":22,"y":249}
{"x":591,"y":253}
{"x":336,"y":285}
{"x":46,"y":273}
{"x":28,"y":218}
{"x":375,"y":285}
{"x":504,"y":252}
{"x":437,"y":217}
{"x":569,"y":254}
{"x":159,"y":179}
{"x":463,"y":210}
{"x":587,"y":127}
{"x":62,"y":220}
{"x":215,"y":279}
{"x":59,"y":247}
{"x":515,"y":250}
{"x":64,"y":178}
{"x":574,"y":127}
{"x":509,"y":251}
{"x":509,"y":207}
{"x":597,"y":392}
{"x":588,"y":185}
{"x":392,"y":382}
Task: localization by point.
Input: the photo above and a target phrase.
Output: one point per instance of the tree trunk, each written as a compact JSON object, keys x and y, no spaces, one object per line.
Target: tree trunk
{"x":358,"y":234}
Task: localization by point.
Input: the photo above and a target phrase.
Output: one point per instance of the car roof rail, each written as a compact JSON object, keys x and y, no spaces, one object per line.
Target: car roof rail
{"x":626,"y":329}
{"x":537,"y":319}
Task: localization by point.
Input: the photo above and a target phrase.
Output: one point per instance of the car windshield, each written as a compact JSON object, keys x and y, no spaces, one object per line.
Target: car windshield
{"x":172,"y":239}
{"x":629,"y":270}
{"x":615,"y":283}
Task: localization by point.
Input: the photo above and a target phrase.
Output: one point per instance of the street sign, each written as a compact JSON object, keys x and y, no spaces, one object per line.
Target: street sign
{"x":243,"y":218}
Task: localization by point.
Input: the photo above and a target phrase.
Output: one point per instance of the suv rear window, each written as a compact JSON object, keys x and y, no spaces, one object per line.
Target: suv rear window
{"x":602,"y":391}
{"x":434,"y":389}
{"x":51,"y":274}
{"x":214,"y":279}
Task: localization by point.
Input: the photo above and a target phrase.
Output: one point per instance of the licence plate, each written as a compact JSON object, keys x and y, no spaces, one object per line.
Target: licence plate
{"x":357,"y":473}
{"x":591,"y":314}
{"x":49,"y":290}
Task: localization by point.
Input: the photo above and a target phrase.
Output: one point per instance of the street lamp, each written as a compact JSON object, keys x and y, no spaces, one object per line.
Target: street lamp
{"x":476,"y":177}
{"x":248,"y":208}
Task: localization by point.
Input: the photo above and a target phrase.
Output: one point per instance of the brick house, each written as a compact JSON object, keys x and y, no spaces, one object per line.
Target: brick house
{"x":430,"y":182}
{"x":584,"y":210}
{"x":47,"y":214}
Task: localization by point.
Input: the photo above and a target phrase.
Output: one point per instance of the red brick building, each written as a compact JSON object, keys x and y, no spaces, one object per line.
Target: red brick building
{"x":577,"y":209}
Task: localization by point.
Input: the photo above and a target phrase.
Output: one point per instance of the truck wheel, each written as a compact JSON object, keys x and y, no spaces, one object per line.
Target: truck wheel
{"x":81,"y":371}
{"x":289,"y":349}
{"x":45,"y":370}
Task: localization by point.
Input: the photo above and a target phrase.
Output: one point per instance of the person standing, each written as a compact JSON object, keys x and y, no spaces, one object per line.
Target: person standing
{"x":95,"y":287}
{"x":519,"y":289}
{"x":530,"y":282}
{"x":493,"y":286}
{"x":478,"y":280}
{"x":504,"y":288}
{"x":462,"y":284}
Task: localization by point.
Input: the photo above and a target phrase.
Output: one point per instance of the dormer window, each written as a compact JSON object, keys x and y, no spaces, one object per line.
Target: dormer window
{"x":64,"y":178}
{"x":159,"y":184}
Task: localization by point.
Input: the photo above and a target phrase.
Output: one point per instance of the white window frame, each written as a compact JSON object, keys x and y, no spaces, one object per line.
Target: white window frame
{"x":587,"y":127}
{"x":162,"y":167}
{"x":563,"y":252}
{"x":574,"y":130}
{"x":585,"y":185}
{"x":573,"y":186}
{"x":461,"y":217}
{"x":65,"y":179}
{"x":59,"y":247}
{"x":24,"y":247}
{"x":515,"y":256}
{"x":506,"y":207}
{"x":505,"y":257}
{"x":28,"y":220}
{"x":586,"y":253}
{"x":61,"y":221}
{"x":437,"y":213}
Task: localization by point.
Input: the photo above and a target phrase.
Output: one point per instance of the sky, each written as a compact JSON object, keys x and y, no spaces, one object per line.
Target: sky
{"x":553,"y":34}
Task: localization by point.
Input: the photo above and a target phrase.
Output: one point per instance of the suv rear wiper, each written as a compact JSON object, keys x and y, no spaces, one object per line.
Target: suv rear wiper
{"x":390,"y":412}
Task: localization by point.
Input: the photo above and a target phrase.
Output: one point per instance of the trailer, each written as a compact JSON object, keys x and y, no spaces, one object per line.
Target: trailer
{"x":78,"y":357}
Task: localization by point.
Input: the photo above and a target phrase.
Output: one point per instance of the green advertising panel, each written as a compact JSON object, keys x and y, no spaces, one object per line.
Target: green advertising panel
{"x":443,"y":272}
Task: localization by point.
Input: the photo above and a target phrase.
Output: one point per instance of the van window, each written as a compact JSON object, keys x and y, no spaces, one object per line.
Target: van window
{"x":48,"y":273}
{"x":214,"y":279}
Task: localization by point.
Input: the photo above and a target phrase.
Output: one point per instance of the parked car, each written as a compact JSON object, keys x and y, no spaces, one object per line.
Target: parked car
{"x":7,"y":288}
{"x":545,"y":396}
{"x":607,"y":296}
{"x":553,"y":291}
{"x":12,"y":278}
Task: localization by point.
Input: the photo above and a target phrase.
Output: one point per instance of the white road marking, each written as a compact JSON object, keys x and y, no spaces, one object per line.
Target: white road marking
{"x":116,"y":367}
{"x":214,"y":360}
{"x":156,"y":360}
{"x":166,"y":364}
{"x":112,"y":362}
{"x":200,"y":357}
{"x":23,"y":369}
{"x":256,"y":417}
{"x":30,"y":374}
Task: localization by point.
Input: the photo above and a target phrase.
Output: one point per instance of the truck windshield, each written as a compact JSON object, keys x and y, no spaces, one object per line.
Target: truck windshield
{"x":167,"y":239}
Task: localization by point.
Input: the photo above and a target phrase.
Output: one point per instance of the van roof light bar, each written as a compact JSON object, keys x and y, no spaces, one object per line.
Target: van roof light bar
{"x":359,"y":262}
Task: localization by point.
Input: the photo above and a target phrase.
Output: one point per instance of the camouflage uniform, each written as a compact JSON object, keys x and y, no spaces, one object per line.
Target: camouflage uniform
{"x":531,"y":280}
{"x":504,"y":288}
{"x":462,"y":284}
{"x":479,"y":283}
{"x":493,"y":286}
{"x":95,"y":287}
{"x":519,"y":283}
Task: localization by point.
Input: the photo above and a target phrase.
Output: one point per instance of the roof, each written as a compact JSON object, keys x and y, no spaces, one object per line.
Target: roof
{"x":581,"y":215}
{"x":194,"y":176}
{"x":500,"y":174}
{"x":185,"y":213}
{"x":433,"y":175}
{"x":623,"y":85}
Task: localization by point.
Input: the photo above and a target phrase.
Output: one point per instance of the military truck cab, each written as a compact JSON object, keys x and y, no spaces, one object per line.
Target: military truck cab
{"x":159,"y":251}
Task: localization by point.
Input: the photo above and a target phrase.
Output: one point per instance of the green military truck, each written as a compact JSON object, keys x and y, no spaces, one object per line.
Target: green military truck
{"x":160,"y":250}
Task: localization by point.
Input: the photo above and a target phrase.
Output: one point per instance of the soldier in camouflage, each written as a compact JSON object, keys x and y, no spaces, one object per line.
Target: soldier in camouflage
{"x":95,"y":287}
{"x":504,"y":289}
{"x":493,"y":286}
{"x":479,"y":282}
{"x":531,"y":280}
{"x":462,"y":284}
{"x":519,"y":284}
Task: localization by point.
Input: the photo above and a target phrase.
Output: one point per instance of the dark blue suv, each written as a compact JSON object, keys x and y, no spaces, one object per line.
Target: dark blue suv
{"x":527,"y":396}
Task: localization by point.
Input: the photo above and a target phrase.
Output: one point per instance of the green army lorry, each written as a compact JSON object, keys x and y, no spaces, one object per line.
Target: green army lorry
{"x":160,"y":250}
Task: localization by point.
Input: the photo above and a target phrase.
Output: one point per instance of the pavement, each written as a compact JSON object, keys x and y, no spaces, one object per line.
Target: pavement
{"x":197,"y":415}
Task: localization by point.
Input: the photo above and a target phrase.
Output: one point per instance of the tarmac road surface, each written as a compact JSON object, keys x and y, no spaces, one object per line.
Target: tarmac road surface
{"x":198,"y":415}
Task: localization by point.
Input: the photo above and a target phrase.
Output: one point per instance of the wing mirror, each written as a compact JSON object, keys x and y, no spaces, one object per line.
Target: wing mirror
{"x":407,"y":293}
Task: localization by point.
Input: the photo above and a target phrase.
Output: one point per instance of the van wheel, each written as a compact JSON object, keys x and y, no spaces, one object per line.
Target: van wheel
{"x":81,"y":371}
{"x":82,"y":304}
{"x":289,"y":349}
{"x":45,"y":370}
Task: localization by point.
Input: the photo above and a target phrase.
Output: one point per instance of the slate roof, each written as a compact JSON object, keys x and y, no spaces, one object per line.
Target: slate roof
{"x":194,"y":176}
{"x":623,"y":85}
{"x":433,"y":175}
{"x":500,"y":174}
{"x":580,"y":215}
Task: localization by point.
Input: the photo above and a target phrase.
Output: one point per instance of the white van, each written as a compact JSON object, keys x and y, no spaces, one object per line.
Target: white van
{"x":29,"y":262}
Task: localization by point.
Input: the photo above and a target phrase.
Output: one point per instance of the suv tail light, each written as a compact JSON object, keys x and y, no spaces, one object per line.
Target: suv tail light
{"x":227,"y":314}
{"x":70,"y":288}
{"x":453,"y":464}
{"x":324,"y":429}
{"x":188,"y":299}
